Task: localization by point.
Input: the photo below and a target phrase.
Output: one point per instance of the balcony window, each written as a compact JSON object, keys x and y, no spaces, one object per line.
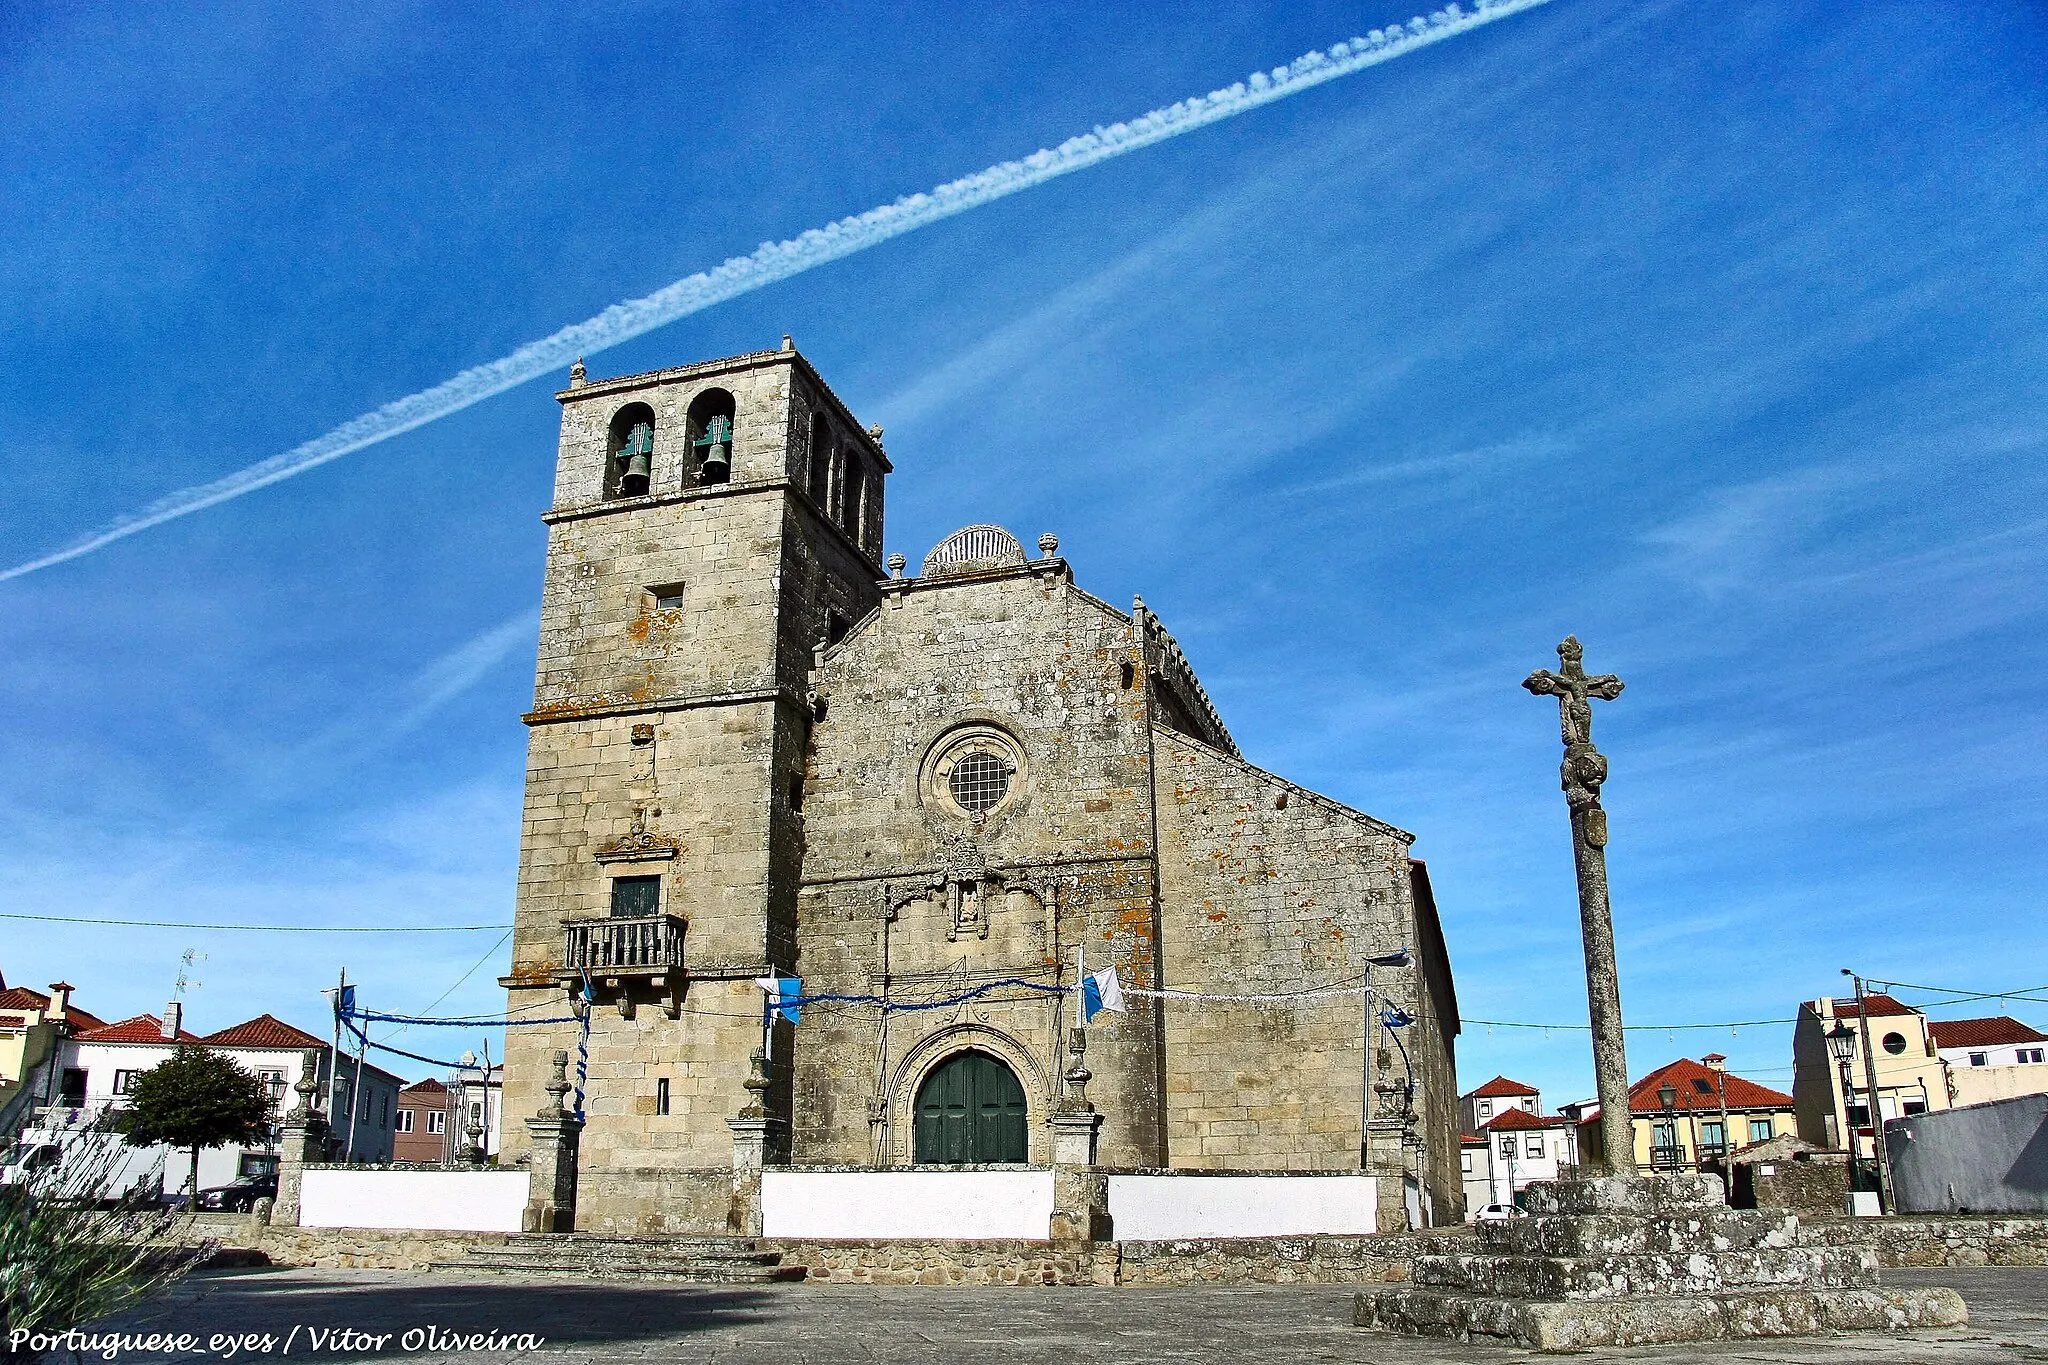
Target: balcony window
{"x":1760,"y":1130}
{"x":636,"y":897}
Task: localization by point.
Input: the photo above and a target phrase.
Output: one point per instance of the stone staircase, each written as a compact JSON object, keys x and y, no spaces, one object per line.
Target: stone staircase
{"x":1640,"y":1260}
{"x":590,"y":1256}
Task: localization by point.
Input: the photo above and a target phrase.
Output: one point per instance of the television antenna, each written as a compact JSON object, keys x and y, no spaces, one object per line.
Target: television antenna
{"x":185,"y":978}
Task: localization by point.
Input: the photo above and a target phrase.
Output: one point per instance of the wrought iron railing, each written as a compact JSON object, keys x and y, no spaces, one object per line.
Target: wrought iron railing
{"x":654,"y":943}
{"x":1666,"y":1158}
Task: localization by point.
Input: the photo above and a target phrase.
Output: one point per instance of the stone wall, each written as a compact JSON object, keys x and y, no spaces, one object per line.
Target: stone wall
{"x":1917,"y":1241}
{"x":1303,"y":1260}
{"x":636,"y":1200}
{"x":360,"y":1248}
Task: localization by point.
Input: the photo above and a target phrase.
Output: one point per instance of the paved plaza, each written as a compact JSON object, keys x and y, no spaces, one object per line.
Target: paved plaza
{"x":802,"y":1324}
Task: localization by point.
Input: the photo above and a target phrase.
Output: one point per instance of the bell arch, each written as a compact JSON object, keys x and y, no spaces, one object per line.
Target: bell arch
{"x":710,"y":421}
{"x":629,"y":452}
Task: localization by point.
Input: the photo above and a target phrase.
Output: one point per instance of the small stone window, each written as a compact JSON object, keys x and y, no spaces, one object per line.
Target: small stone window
{"x":636,"y":897}
{"x":667,"y":597}
{"x":661,"y":1095}
{"x":974,"y":771}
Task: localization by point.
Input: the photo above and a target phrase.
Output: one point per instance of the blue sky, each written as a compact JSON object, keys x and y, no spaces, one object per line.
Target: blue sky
{"x":1714,"y":334}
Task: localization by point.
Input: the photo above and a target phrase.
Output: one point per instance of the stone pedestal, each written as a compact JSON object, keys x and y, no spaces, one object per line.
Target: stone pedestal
{"x":302,"y":1140}
{"x":749,"y":1155}
{"x":557,"y":1135}
{"x":1637,"y":1260}
{"x":1080,"y":1193}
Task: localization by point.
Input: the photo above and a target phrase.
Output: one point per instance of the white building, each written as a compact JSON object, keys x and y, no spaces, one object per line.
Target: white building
{"x":1991,"y":1059}
{"x":1508,"y":1142}
{"x":100,"y":1066}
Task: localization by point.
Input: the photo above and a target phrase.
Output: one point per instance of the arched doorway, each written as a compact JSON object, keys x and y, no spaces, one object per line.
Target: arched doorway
{"x":970,"y":1109}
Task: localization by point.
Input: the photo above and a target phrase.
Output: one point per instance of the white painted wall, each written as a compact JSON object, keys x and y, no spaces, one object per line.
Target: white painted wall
{"x":453,"y":1201}
{"x":1165,"y":1208}
{"x":860,"y":1205}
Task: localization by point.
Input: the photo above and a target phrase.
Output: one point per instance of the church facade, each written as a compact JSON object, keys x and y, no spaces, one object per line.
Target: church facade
{"x":759,"y":749}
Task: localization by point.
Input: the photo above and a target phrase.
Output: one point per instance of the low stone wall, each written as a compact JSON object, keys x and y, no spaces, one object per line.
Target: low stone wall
{"x":1277,"y":1260}
{"x":1274,"y":1260}
{"x":1920,"y":1241}
{"x":951,"y":1263}
{"x":678,"y":1202}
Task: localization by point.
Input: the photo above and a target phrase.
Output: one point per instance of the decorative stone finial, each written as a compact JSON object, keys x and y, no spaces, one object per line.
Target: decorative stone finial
{"x":307,"y":1087}
{"x":1078,"y":1075}
{"x":1048,"y":545}
{"x":557,"y":1087}
{"x":875,"y":434}
{"x":757,"y":1087}
{"x":787,"y":344}
{"x":578,"y":376}
{"x":897,"y":564}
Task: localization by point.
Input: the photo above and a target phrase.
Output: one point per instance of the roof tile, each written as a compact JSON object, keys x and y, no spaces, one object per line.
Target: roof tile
{"x":1984,"y":1032}
{"x":1683,"y":1073}
{"x":143,"y":1028}
{"x":1501,"y":1087}
{"x":265,"y":1030}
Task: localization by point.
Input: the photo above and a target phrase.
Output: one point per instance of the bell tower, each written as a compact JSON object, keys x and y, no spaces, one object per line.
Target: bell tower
{"x":712,"y":525}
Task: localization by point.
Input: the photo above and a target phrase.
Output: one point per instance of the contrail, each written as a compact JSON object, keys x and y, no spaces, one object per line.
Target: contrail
{"x":774,"y":261}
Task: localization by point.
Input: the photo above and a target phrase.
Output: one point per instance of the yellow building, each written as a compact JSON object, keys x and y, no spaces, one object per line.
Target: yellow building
{"x":32,"y":1025}
{"x":1687,"y":1115}
{"x":1910,"y":1076}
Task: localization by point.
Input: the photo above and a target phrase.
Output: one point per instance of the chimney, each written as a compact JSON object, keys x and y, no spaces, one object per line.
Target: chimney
{"x":60,"y":1000}
{"x":174,"y":1020}
{"x":1715,"y":1061}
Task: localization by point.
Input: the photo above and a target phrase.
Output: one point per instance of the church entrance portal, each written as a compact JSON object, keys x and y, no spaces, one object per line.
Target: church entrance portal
{"x":970,"y":1110}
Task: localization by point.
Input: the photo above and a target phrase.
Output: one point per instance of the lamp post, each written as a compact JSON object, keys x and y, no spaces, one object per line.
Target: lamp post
{"x":1842,"y":1042}
{"x":1875,"y":1104}
{"x":1667,"y":1095}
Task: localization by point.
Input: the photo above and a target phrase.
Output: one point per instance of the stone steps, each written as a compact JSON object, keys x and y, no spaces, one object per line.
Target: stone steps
{"x":1616,"y":1234}
{"x":687,"y":1260}
{"x":1645,"y":1273}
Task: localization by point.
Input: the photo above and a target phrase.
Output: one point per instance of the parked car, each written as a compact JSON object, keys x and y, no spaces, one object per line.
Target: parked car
{"x":1497,"y":1213}
{"x":241,"y":1196}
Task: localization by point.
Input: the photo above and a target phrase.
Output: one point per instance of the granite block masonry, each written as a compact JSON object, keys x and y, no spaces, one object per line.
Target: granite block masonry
{"x":1641,"y":1260}
{"x":757,"y":748}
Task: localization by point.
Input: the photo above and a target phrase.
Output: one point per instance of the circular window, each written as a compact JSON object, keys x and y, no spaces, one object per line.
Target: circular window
{"x":979,"y":782}
{"x":1895,"y":1043}
{"x":975,"y":771}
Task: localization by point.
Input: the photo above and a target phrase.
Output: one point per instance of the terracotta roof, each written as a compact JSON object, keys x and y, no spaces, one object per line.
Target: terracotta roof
{"x":1522,"y":1118}
{"x":1501,"y":1086}
{"x":143,"y":1028}
{"x":82,"y":1020}
{"x":1472,"y":1139}
{"x":264,"y":1030}
{"x":1878,"y":1005}
{"x":1698,"y":1090}
{"x":429,"y":1086}
{"x":22,"y":998}
{"x":1984,"y":1032}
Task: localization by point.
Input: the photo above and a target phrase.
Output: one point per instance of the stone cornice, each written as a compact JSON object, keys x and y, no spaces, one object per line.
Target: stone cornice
{"x":551,"y":715}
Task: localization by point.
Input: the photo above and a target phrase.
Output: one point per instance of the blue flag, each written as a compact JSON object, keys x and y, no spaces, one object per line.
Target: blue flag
{"x":783,"y":994}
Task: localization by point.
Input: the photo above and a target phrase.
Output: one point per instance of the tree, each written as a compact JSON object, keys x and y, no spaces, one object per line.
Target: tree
{"x":195,"y":1098}
{"x":72,"y":1252}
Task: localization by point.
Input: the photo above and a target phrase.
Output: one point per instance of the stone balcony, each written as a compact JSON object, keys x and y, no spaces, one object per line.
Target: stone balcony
{"x":623,"y":956}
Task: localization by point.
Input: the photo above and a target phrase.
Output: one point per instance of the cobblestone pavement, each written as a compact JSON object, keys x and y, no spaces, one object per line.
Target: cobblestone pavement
{"x":826,"y":1324}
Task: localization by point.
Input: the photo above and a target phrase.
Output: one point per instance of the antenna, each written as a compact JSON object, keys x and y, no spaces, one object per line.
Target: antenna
{"x":185,"y":977}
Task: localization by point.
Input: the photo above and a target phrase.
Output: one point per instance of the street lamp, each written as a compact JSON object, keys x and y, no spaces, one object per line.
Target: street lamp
{"x":1842,"y":1042}
{"x":1667,"y":1095}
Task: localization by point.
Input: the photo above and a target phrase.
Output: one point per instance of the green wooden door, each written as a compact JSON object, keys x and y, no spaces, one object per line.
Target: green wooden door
{"x":970,"y":1110}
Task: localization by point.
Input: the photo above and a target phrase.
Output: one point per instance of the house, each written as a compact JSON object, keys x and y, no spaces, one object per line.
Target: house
{"x":33,"y":1027}
{"x":1687,"y":1116}
{"x":1477,"y":1107}
{"x":99,"y":1067}
{"x":1832,"y":1091}
{"x":1512,"y":1144}
{"x":1991,"y":1059}
{"x":421,"y":1131}
{"x":760,"y":746}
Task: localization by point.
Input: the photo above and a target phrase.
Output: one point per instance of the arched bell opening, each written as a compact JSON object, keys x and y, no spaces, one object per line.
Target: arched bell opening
{"x":629,"y":463}
{"x":710,"y":423}
{"x":970,"y":1110}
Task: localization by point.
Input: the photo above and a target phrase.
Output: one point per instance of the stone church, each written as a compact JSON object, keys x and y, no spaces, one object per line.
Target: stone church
{"x":757,"y":748}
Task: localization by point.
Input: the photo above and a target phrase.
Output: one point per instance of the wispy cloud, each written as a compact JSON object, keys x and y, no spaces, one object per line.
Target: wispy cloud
{"x":1741,"y":534}
{"x":774,"y":261}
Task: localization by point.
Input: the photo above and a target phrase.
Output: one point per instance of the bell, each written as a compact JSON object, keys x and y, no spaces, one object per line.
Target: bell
{"x":717,"y":445}
{"x":637,"y":456}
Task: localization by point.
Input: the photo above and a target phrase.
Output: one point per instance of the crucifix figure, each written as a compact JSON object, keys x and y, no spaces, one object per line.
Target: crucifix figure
{"x":1582,"y":773}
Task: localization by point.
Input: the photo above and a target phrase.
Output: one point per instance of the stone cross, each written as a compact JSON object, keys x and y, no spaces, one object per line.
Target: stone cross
{"x":1582,"y":773}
